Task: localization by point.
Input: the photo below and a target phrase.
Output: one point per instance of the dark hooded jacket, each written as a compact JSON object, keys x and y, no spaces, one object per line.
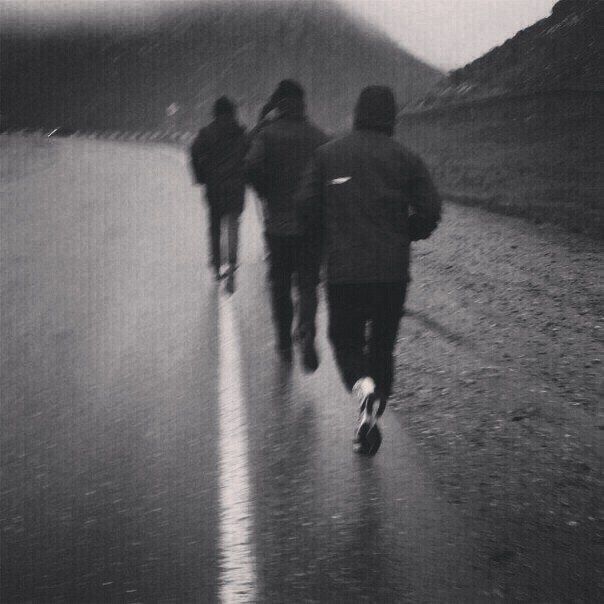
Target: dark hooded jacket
{"x":280,"y":151}
{"x":217,"y":160}
{"x":363,"y":199}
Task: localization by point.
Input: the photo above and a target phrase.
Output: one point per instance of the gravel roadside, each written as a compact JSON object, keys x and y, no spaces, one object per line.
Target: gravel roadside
{"x":499,"y":379}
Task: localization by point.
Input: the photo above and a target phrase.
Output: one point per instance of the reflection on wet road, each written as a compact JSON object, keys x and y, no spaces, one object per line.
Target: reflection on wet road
{"x":328,"y":525}
{"x":154,"y":448}
{"x":237,"y":581}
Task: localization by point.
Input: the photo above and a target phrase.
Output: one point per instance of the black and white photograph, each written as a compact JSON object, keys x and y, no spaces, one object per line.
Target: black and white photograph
{"x":301,"y":301}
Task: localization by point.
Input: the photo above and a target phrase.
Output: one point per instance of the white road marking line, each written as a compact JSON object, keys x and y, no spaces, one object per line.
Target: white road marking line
{"x":237,"y":563}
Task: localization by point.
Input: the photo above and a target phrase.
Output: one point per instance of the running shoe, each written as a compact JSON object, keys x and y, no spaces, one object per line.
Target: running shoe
{"x":368,"y":436}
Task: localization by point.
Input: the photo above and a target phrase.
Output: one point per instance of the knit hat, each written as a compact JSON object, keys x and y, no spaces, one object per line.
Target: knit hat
{"x":375,"y":110}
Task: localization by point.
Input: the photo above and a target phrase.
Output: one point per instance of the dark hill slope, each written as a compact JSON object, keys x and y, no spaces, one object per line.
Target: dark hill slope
{"x":518,"y":130}
{"x":560,"y":52}
{"x":115,"y":78}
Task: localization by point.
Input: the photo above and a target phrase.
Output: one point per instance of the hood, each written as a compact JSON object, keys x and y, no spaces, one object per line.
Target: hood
{"x":375,"y":110}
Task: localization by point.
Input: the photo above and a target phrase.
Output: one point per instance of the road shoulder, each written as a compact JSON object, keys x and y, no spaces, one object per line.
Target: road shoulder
{"x":499,"y":381}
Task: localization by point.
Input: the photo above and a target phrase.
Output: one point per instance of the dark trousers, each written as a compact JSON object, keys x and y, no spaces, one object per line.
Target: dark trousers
{"x":363,"y":324}
{"x":289,"y":264}
{"x":227,"y":223}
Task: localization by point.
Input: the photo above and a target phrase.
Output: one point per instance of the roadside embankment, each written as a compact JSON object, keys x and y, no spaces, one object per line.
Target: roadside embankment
{"x":499,"y":380}
{"x":535,"y":156}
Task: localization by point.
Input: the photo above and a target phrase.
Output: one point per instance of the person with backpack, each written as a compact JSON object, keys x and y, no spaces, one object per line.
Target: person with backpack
{"x":217,"y":159}
{"x":363,"y":200}
{"x":279,"y":153}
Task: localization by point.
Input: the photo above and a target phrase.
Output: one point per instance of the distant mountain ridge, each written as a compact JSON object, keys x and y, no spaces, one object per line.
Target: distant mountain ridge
{"x":560,"y":52}
{"x":167,"y":73}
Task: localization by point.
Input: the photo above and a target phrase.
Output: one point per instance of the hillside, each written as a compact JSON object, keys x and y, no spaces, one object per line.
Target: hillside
{"x":517,"y":131}
{"x":560,"y":52}
{"x":537,"y":156}
{"x":167,"y":71}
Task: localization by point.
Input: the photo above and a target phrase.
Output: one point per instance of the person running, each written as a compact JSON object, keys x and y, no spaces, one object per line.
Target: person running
{"x":279,"y":153}
{"x":363,"y":199}
{"x":217,"y":159}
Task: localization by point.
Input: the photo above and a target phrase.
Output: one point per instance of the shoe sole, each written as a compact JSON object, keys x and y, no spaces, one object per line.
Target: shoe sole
{"x":369,"y":441}
{"x":368,"y":438}
{"x":374,"y":440}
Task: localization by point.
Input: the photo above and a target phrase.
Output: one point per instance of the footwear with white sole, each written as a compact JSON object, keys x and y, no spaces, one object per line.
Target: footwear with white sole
{"x":368,"y":436}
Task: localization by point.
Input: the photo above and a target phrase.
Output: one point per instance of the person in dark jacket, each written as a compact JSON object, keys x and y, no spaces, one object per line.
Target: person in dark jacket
{"x":217,"y":160}
{"x":280,"y":151}
{"x":363,"y":199}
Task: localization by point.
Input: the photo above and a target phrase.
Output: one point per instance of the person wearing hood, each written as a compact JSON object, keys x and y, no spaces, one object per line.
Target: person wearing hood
{"x":363,"y":200}
{"x":217,"y":160}
{"x":279,"y":153}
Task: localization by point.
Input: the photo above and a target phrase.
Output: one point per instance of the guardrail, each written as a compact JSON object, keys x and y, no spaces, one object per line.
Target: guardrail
{"x":159,"y":136}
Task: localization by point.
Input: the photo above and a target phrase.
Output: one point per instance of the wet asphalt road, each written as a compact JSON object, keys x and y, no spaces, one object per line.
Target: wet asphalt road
{"x":153,"y":447}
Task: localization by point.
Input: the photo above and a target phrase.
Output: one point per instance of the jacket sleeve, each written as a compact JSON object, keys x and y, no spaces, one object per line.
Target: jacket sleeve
{"x":425,"y":204}
{"x":255,"y":171}
{"x":309,"y":201}
{"x":309,"y":197}
{"x":197,"y":159}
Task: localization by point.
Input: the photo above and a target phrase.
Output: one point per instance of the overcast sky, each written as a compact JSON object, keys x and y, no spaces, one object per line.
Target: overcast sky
{"x":445,"y":33}
{"x":450,"y":33}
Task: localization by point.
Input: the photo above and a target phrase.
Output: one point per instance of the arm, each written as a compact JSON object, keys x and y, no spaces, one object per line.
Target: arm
{"x":309,"y":204}
{"x":255,"y":173}
{"x":197,"y":158}
{"x":425,"y":204}
{"x":309,"y":200}
{"x":325,"y":138}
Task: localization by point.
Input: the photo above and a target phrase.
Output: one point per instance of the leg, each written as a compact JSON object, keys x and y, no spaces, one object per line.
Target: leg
{"x":232,"y":220}
{"x":214,"y":231}
{"x":307,"y":269}
{"x":280,"y":277}
{"x":349,"y":310}
{"x":231,"y":223}
{"x":308,"y":281}
{"x":347,"y":318}
{"x":388,"y":308}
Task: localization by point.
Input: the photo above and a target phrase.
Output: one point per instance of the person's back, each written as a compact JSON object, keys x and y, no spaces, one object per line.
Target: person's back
{"x":372,"y":182}
{"x":218,"y":154}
